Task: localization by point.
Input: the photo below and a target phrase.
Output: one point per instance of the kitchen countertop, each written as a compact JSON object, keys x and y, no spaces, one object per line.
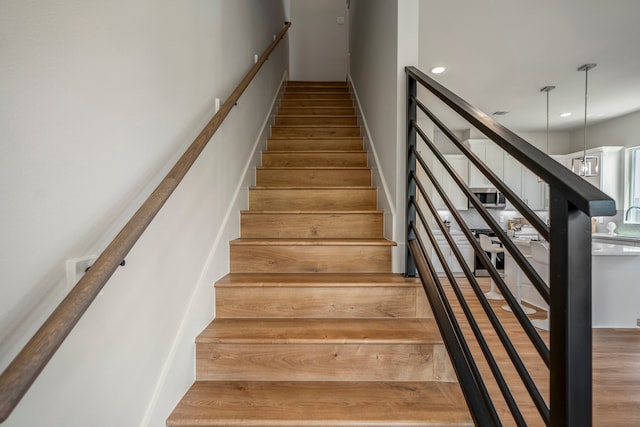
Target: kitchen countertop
{"x":611,"y":249}
{"x":616,"y":238}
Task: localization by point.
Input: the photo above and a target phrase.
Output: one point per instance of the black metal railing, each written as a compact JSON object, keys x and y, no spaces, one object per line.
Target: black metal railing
{"x":572,"y":201}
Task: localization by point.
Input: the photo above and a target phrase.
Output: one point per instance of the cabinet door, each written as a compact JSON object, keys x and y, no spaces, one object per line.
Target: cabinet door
{"x":524,"y":183}
{"x":512,"y":177}
{"x":533,"y":191}
{"x":460,"y":164}
{"x":476,"y":178}
{"x":492,"y":156}
{"x":495,"y":159}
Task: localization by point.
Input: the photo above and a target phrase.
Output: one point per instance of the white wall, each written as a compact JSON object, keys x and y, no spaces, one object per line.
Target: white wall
{"x":319,"y":46}
{"x":622,"y":131}
{"x":98,"y":100}
{"x":383,"y":41}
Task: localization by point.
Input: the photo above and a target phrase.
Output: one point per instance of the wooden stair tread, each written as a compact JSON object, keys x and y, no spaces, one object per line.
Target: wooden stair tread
{"x":358,"y":187}
{"x":233,"y":280}
{"x":321,"y":168}
{"x":317,"y":116}
{"x":320,"y":331}
{"x":316,"y":126}
{"x":318,"y":83}
{"x":316,"y":403}
{"x":308,"y":152}
{"x":310,"y":212}
{"x":312,"y":242}
{"x":311,"y":138}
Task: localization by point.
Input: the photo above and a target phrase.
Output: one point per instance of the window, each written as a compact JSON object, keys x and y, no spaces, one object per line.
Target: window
{"x":632,"y":206}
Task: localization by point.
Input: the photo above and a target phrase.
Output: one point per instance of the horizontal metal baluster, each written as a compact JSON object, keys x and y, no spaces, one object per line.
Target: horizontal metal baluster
{"x":502,"y":335}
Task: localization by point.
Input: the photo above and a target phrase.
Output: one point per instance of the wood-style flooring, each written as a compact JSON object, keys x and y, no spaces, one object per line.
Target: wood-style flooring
{"x":616,"y":367}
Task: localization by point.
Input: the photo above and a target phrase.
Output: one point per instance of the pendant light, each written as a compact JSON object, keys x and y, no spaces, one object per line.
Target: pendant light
{"x":586,"y":165}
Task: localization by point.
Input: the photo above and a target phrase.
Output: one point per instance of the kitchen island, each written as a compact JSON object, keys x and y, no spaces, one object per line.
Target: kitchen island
{"x":615,"y":287}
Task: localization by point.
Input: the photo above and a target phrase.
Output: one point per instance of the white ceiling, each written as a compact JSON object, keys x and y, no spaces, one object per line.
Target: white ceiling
{"x":500,"y":53}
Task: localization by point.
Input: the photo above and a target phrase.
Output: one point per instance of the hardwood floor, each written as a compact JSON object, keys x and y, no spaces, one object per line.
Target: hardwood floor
{"x":616,"y":367}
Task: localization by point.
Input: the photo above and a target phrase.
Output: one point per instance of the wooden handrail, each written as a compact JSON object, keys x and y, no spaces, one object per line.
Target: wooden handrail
{"x":27,"y":365}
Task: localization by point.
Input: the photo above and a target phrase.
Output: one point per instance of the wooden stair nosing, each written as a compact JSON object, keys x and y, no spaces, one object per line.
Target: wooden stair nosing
{"x":304,"y":145}
{"x":296,"y":103}
{"x":317,"y":82}
{"x":317,"y":111}
{"x":317,"y":96}
{"x":311,"y":242}
{"x":326,"y":403}
{"x":318,"y":330}
{"x":314,"y":168}
{"x":329,"y":188}
{"x":233,"y":280}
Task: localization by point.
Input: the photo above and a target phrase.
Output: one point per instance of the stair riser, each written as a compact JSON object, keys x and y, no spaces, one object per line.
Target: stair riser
{"x":286,"y":103}
{"x":313,"y":177}
{"x":310,"y":259}
{"x":318,"y":302}
{"x":315,"y":362}
{"x":311,"y":132}
{"x":333,"y":95}
{"x":316,"y":89}
{"x":315,"y":144}
{"x":316,"y":121}
{"x":304,"y":83}
{"x":311,"y":226}
{"x":275,"y":199}
{"x":310,"y":159}
{"x":317,"y":111}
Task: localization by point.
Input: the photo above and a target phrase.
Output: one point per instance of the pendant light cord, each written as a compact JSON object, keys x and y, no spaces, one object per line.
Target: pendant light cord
{"x":585,"y":68}
{"x":547,"y":89}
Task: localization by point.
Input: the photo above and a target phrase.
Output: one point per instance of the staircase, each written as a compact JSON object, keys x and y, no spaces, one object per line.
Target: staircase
{"x":311,"y":327}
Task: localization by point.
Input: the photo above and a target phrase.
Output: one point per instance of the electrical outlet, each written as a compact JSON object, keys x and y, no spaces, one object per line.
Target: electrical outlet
{"x":255,"y":58}
{"x":340,"y":20}
{"x":217,"y":104}
{"x":76,"y":267}
{"x":501,"y":219}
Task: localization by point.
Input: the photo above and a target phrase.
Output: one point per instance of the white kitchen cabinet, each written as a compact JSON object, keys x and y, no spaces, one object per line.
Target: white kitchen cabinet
{"x":562,"y":159}
{"x":524,"y":183}
{"x":491,"y":155}
{"x":452,"y":261}
{"x":460,"y":164}
{"x":610,"y":177}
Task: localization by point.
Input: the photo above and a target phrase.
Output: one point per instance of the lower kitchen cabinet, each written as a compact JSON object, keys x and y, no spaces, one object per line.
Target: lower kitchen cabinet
{"x":450,"y":258}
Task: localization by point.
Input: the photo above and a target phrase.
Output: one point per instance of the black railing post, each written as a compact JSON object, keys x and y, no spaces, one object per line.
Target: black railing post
{"x":410,"y":268}
{"x":570,"y":316}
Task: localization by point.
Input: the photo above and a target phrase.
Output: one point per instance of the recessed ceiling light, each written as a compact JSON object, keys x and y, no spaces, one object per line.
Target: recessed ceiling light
{"x":438,"y":70}
{"x":565,"y":114}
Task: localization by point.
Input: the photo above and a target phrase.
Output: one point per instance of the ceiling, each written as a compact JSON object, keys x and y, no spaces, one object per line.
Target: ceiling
{"x":500,"y":53}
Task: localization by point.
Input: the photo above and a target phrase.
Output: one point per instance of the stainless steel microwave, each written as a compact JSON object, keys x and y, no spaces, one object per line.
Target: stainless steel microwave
{"x":489,"y":197}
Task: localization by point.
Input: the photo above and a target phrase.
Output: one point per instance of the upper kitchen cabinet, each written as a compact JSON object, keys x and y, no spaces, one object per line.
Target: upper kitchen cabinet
{"x":524,"y":183}
{"x":460,"y":164}
{"x":491,"y":155}
{"x":607,"y":176}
